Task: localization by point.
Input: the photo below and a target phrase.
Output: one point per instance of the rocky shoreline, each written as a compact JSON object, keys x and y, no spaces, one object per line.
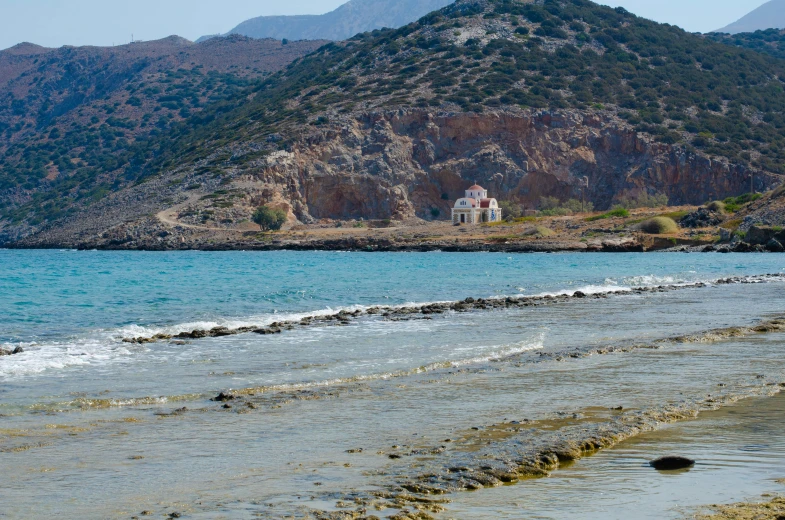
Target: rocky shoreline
{"x":428,"y":238}
{"x":401,"y":313}
{"x":385,"y":246}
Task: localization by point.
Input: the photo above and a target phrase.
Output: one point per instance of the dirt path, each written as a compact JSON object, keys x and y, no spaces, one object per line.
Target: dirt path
{"x":167,"y":216}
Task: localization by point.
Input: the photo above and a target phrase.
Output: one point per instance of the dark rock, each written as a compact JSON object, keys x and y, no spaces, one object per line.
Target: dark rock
{"x":760,"y":234}
{"x":579,"y":294}
{"x":702,"y":218}
{"x":774,"y":246}
{"x":671,"y":463}
{"x":18,"y":350}
{"x":222,"y":398}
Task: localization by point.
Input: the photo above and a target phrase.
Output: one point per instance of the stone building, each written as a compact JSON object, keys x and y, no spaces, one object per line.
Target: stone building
{"x":476,"y":208}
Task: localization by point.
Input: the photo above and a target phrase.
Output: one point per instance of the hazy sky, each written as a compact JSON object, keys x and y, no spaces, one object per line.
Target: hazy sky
{"x":53,"y":23}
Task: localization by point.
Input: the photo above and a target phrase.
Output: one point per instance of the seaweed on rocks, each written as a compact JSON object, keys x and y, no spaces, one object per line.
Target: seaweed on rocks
{"x":518,"y":453}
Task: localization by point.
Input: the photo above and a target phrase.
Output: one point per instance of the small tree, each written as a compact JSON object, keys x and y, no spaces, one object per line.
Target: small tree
{"x":510,"y":210}
{"x":269,"y":219}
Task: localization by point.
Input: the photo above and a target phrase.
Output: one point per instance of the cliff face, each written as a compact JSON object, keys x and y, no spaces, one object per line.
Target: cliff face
{"x":404,"y":163}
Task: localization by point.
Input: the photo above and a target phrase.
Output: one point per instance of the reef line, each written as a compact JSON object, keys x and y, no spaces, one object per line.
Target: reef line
{"x":404,"y":312}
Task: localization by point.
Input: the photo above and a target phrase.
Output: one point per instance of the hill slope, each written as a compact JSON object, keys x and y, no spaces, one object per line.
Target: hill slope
{"x":353,"y":17}
{"x":770,"y":15}
{"x":527,"y":98}
{"x":770,"y":41}
{"x":69,"y":117}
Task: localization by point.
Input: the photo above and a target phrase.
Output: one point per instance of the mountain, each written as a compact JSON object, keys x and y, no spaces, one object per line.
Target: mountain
{"x":770,"y":15}
{"x":70,"y":117}
{"x":525,"y":98}
{"x":353,"y":17}
{"x":770,"y":41}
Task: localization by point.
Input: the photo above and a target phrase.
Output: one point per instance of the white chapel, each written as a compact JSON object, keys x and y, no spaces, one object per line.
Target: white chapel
{"x":476,"y":208}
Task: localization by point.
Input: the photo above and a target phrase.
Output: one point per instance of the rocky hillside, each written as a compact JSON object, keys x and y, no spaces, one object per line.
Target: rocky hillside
{"x":770,"y":15}
{"x":355,"y":16}
{"x":70,"y":117}
{"x":527,"y":97}
{"x":771,"y":41}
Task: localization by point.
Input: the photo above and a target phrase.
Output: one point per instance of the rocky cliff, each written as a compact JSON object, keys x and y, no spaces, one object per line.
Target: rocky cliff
{"x":403,"y":163}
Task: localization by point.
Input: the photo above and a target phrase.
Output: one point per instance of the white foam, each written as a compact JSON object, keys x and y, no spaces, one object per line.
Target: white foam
{"x":588,"y":289}
{"x":102,"y":347}
{"x":498,"y":353}
{"x":38,"y":358}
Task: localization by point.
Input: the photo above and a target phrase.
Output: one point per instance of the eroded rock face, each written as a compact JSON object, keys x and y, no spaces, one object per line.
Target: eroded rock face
{"x":399,"y":164}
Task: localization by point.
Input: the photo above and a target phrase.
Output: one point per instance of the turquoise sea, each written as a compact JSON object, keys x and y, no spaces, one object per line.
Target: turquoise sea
{"x":86,"y":424}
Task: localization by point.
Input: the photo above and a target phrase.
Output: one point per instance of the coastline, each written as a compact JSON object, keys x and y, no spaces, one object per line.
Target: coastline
{"x":371,"y":246}
{"x":574,"y":233}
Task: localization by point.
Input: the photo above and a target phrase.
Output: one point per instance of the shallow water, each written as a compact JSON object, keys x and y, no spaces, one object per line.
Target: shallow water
{"x":82,"y":425}
{"x":740,"y":453}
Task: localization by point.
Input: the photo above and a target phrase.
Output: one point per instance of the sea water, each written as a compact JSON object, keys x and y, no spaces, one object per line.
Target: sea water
{"x":86,"y":421}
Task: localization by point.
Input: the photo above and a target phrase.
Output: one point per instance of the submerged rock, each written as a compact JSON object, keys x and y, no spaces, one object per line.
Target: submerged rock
{"x":670,"y":463}
{"x":222,"y":398}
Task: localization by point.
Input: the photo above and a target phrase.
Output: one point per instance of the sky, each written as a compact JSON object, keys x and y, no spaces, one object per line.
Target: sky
{"x":53,"y":23}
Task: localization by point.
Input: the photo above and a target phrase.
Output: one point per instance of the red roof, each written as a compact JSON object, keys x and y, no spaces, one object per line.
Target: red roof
{"x":476,"y":188}
{"x":485,"y":203}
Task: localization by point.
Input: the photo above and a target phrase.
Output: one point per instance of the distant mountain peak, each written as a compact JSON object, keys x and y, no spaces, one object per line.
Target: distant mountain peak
{"x":770,"y":15}
{"x":26,"y":49}
{"x":351,"y":18}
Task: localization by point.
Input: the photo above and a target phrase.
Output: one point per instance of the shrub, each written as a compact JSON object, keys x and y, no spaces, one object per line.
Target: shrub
{"x":716,"y":206}
{"x":734,"y":204}
{"x":435,"y":212}
{"x":538,"y":231}
{"x":555,"y":212}
{"x":617,"y":212}
{"x":643,"y":200}
{"x":269,"y":219}
{"x":547,"y":203}
{"x":659,"y":226}
{"x":510,"y":210}
{"x":553,"y":207}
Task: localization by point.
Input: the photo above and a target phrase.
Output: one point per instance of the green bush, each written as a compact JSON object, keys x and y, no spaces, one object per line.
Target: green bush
{"x":717,"y":207}
{"x":659,"y":226}
{"x":269,"y":219}
{"x":538,"y":231}
{"x":510,"y":210}
{"x":618,"y":212}
{"x":553,"y":207}
{"x":643,"y":200}
{"x":734,"y":204}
